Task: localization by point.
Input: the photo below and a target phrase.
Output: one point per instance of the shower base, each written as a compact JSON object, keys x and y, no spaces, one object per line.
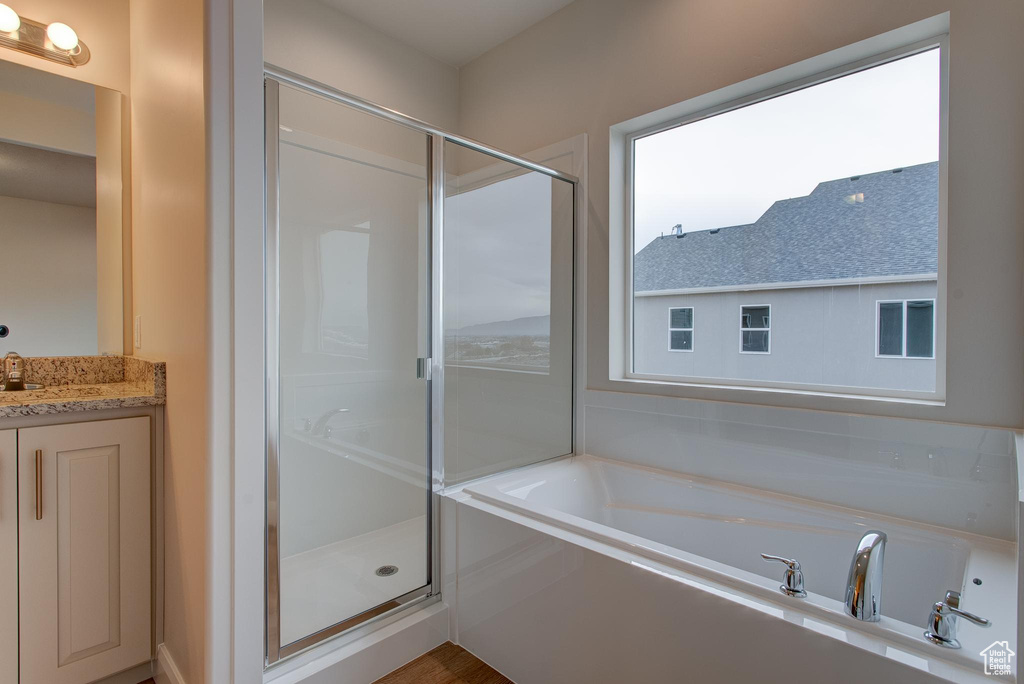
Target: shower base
{"x":332,"y":583}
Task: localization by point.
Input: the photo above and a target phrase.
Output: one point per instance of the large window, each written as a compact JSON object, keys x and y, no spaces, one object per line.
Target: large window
{"x":817,"y":202}
{"x":906,"y":329}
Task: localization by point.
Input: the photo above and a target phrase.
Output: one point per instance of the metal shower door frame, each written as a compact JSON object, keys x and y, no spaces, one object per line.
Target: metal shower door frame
{"x":274,"y":77}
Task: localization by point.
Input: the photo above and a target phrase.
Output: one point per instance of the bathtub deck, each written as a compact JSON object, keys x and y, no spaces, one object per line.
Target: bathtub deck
{"x":446,"y":664}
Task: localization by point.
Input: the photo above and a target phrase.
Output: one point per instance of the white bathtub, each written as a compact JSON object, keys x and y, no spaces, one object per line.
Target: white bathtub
{"x":716,"y":531}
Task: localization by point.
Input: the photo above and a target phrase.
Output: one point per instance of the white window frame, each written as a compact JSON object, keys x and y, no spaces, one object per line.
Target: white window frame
{"x":902,"y":42}
{"x":693,"y":324}
{"x":744,"y":329}
{"x":878,"y":328}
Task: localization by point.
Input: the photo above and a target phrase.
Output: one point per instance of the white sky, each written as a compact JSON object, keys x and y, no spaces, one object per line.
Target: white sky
{"x":728,"y":169}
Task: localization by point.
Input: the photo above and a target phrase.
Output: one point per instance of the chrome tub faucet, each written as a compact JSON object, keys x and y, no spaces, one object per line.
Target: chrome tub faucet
{"x":793,"y":579}
{"x":320,"y":427}
{"x":864,"y":583}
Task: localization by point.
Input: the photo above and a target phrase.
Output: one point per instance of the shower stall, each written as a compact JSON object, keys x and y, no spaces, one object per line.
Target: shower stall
{"x":420,"y":334}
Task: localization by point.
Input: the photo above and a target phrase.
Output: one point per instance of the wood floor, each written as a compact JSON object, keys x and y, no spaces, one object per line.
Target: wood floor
{"x":446,"y":664}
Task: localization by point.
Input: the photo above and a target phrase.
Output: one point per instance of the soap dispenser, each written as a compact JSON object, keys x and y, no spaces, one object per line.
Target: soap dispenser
{"x":14,"y":372}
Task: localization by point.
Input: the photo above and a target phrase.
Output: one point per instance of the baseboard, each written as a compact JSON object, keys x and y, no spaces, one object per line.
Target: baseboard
{"x":368,"y":658}
{"x":134,"y":675}
{"x":167,"y":671}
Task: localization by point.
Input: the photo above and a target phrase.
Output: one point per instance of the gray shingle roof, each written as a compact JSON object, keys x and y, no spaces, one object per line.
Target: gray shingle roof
{"x":823,"y":236}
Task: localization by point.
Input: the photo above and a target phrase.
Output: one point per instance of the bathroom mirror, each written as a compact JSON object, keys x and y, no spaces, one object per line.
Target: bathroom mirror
{"x":64,"y":215}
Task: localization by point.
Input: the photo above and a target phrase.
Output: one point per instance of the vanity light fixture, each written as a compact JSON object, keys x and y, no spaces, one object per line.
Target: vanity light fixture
{"x":56,"y":42}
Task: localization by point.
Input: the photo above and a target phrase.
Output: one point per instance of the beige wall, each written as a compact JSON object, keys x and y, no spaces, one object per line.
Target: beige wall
{"x":101,"y":24}
{"x":599,"y":62}
{"x":169,"y":262}
{"x":322,"y":43}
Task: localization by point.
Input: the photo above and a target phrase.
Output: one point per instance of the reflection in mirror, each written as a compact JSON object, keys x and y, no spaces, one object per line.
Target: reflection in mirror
{"x":63,"y":215}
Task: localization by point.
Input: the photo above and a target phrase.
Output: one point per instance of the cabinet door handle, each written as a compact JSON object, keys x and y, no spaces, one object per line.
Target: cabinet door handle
{"x":39,"y":484}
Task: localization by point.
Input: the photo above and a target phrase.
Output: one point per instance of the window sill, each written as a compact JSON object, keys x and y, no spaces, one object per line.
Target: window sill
{"x":488,"y":368}
{"x":893,"y":397}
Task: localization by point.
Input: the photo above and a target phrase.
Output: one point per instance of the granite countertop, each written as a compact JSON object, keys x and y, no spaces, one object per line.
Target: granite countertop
{"x":86,"y":383}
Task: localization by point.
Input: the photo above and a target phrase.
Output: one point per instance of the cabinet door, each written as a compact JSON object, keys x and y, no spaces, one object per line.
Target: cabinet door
{"x":84,"y":542}
{"x":8,"y":557}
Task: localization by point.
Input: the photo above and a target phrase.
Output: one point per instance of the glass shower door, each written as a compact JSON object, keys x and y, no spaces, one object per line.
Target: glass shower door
{"x":508,"y":314}
{"x":349,"y":290}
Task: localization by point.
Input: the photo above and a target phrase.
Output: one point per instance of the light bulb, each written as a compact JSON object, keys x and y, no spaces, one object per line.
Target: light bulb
{"x":62,"y":36}
{"x":9,"y":20}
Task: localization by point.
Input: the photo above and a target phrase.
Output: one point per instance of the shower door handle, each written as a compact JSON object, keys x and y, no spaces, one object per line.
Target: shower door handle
{"x":423,"y":368}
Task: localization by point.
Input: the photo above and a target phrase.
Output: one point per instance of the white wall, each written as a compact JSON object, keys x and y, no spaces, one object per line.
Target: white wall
{"x":49,"y":299}
{"x":599,"y":62}
{"x":953,"y":476}
{"x":322,"y":43}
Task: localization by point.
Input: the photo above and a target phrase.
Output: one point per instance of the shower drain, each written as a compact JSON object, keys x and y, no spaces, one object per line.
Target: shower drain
{"x":386,"y":570}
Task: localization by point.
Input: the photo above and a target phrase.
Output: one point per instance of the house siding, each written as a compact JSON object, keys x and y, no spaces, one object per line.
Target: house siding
{"x":819,"y":336}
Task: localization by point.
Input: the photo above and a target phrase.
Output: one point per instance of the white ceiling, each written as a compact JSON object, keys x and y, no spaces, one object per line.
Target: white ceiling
{"x":453,"y":31}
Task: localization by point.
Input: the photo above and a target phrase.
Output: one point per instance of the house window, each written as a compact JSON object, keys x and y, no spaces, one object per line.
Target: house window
{"x":818,"y":192}
{"x":755,"y":329}
{"x":680,"y":329}
{"x":906,"y":329}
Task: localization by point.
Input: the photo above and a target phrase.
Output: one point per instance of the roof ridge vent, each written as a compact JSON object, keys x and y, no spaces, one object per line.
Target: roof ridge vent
{"x":897,"y":170}
{"x":714,"y":231}
{"x":853,"y":178}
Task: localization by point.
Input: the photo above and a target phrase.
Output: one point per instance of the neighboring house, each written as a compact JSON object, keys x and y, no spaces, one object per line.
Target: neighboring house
{"x":835,"y":288}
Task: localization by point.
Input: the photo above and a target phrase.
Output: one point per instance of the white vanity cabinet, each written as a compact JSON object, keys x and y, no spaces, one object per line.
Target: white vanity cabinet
{"x":84,"y":553}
